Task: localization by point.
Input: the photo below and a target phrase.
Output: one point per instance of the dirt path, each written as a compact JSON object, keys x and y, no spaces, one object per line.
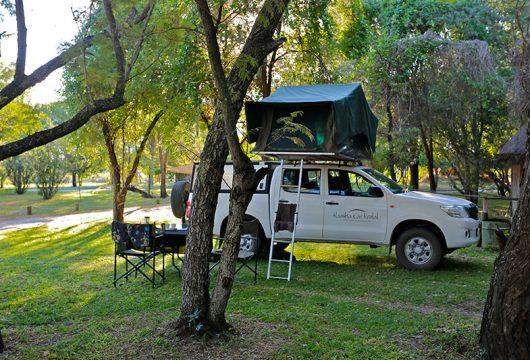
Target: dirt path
{"x":58,"y":222}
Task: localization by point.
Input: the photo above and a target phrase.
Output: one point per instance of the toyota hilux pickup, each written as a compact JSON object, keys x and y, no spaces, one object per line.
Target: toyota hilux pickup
{"x":355,"y":205}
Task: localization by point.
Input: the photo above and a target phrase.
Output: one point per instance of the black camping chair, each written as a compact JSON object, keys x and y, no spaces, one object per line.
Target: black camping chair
{"x":136,"y":241}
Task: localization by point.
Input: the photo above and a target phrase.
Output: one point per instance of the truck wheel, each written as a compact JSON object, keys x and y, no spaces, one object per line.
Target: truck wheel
{"x":179,"y":195}
{"x":249,"y":242}
{"x":418,"y":249}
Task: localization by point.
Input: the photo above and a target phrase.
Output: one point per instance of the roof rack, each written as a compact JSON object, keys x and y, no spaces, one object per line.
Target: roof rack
{"x":312,"y":156}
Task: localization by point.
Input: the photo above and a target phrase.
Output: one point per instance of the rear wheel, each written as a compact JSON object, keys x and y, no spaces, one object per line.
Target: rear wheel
{"x":252,"y":238}
{"x":418,"y":249}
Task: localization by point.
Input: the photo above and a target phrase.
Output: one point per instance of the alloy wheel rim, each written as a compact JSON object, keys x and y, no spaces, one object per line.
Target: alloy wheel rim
{"x":248,"y":243}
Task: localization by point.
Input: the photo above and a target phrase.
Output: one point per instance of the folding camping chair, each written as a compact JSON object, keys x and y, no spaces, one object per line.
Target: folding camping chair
{"x":136,"y":241}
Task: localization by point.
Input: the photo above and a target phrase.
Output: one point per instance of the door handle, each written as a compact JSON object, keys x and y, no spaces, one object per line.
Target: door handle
{"x":331,"y":203}
{"x":283,"y":201}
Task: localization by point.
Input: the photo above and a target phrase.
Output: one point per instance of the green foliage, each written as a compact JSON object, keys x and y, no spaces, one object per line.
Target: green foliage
{"x":49,"y":168}
{"x":353,"y":28}
{"x":19,"y":171}
{"x":19,"y":119}
{"x":459,"y":20}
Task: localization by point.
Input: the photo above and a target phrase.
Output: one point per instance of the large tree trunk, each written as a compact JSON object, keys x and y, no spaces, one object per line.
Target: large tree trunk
{"x":505,"y":332}
{"x":243,"y":186}
{"x":231,"y":91}
{"x":195,"y":277}
{"x":1,"y":343}
{"x":74,"y":179}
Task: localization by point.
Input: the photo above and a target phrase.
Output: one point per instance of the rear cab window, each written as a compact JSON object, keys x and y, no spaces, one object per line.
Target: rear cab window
{"x":310,"y":180}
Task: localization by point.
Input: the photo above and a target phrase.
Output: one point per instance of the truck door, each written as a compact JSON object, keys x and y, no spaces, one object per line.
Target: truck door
{"x":353,"y":211}
{"x":310,"y":213}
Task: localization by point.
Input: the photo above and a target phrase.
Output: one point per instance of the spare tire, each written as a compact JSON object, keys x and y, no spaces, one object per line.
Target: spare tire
{"x":179,"y":195}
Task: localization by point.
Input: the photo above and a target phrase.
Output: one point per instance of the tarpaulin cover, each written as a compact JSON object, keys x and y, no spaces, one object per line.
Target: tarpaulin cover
{"x":338,"y":117}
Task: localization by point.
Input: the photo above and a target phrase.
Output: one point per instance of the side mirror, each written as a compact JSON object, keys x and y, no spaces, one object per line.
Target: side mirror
{"x":375,"y":191}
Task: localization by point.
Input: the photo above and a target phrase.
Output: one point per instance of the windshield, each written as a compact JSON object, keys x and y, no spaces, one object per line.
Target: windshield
{"x":385,"y":181}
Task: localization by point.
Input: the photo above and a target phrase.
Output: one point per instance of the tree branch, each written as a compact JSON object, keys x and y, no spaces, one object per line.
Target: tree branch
{"x":116,"y":45}
{"x":140,"y":41}
{"x":20,"y":84}
{"x":83,"y":116}
{"x":140,"y":150}
{"x":20,"y":66}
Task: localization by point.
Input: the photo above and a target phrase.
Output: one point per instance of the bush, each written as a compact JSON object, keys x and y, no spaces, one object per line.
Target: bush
{"x":50,"y":169}
{"x":19,"y":171}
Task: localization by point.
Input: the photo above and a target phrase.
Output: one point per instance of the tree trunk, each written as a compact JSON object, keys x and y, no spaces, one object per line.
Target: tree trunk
{"x":428,"y":148}
{"x":74,"y":179}
{"x":1,"y":343}
{"x":115,"y":172}
{"x":118,"y":208}
{"x":414,"y":175}
{"x":163,"y":172}
{"x":389,"y":137}
{"x":195,"y":277}
{"x":243,"y":186}
{"x":505,"y":331}
{"x":433,"y":185}
{"x":152,"y":150}
{"x":231,"y":93}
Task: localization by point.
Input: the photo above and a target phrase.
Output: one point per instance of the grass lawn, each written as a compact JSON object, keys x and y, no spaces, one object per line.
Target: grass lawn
{"x":345,"y":302}
{"x":63,"y":203}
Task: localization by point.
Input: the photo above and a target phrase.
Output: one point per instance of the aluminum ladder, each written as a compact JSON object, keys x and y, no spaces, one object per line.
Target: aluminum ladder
{"x":293,"y":234}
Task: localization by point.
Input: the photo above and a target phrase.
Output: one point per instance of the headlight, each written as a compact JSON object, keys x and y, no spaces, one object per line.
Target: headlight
{"x":458,"y":211}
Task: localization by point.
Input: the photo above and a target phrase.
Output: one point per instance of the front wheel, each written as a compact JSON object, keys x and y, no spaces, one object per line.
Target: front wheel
{"x":418,"y":249}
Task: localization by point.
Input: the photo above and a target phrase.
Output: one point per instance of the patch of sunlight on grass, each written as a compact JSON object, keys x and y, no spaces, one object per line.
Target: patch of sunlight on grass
{"x":62,"y":244}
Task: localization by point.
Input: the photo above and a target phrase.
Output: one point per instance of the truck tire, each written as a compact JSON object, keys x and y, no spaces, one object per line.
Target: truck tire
{"x":249,"y":242}
{"x":418,"y":249}
{"x":179,"y":195}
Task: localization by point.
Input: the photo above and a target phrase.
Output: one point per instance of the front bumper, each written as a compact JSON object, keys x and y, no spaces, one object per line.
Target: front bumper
{"x":462,"y":233}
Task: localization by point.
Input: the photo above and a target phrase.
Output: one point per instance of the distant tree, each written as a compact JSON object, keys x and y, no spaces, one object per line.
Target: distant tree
{"x":469,"y":103}
{"x":122,"y":172}
{"x":78,"y":164}
{"x":49,"y":169}
{"x":3,"y":175}
{"x":19,"y":171}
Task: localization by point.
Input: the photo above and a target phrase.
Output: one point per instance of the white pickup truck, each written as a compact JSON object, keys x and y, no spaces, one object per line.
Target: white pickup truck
{"x":357,"y":205}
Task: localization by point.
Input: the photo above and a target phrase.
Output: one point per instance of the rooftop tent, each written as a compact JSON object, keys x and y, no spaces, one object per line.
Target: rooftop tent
{"x":338,"y":117}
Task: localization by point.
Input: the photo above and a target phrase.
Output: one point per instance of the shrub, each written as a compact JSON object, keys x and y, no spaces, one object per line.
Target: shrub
{"x":50,"y":169}
{"x":19,"y":171}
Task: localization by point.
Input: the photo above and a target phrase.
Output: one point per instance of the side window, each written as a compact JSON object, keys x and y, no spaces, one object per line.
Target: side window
{"x":346,"y":183}
{"x":310,"y":180}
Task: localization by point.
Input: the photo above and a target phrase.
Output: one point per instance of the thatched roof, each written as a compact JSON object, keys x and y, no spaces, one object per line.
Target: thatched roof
{"x":515,"y":147}
{"x":182,"y":169}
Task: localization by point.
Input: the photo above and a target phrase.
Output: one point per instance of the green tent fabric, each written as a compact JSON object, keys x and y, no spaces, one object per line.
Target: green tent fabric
{"x":338,"y":117}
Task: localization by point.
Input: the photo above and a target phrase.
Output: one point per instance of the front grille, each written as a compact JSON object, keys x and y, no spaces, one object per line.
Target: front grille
{"x":472,"y":211}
